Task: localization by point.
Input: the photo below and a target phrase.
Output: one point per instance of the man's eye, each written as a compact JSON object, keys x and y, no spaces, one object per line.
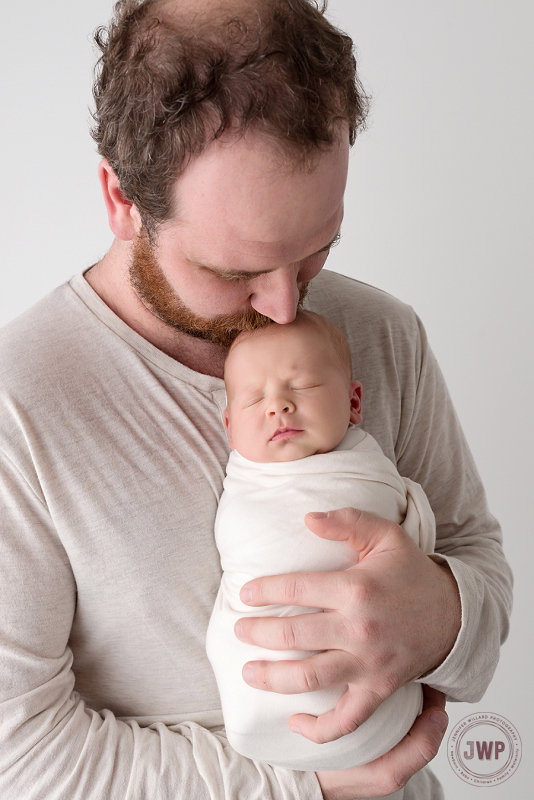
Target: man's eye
{"x":335,"y":241}
{"x":236,"y":278}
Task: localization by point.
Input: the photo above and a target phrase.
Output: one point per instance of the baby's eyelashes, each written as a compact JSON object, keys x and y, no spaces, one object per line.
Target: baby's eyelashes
{"x":253,"y":402}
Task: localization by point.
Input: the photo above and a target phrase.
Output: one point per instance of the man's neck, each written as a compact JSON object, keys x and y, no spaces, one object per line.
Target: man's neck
{"x":109,"y":279}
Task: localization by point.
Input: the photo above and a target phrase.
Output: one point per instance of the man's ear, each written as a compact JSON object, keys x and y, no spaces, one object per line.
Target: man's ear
{"x":226,"y":421}
{"x":123,"y":217}
{"x":355,"y":396}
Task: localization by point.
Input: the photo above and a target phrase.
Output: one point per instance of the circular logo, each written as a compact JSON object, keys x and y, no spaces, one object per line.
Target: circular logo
{"x":484,"y":749}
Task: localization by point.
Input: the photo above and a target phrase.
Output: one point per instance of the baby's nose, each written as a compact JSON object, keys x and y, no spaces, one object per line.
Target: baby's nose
{"x":280,"y":405}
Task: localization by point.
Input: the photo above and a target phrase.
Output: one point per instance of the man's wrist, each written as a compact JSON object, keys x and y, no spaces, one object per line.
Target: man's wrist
{"x":332,"y":788}
{"x":452,"y":619}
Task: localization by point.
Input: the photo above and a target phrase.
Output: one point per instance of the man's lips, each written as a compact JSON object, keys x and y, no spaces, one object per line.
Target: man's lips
{"x":284,"y":433}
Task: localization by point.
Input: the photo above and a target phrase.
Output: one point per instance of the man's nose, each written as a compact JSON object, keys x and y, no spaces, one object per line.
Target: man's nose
{"x":279,"y":405}
{"x":276,"y":295}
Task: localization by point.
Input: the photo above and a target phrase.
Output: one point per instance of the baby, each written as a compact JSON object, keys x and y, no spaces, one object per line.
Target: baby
{"x":291,"y":414}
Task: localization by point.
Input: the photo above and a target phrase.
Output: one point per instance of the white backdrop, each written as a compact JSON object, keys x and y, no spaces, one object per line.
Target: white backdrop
{"x":438,"y":210}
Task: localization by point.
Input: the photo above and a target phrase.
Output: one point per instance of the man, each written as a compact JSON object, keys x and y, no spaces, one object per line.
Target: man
{"x":224,"y":129}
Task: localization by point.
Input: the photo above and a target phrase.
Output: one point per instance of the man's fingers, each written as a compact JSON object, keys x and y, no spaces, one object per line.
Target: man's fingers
{"x":312,"y":589}
{"x":419,"y":746}
{"x":432,"y":697}
{"x":321,"y":631}
{"x":392,"y":771}
{"x":319,"y":671}
{"x":353,"y":708}
{"x":363,"y":532}
{"x":357,"y":705}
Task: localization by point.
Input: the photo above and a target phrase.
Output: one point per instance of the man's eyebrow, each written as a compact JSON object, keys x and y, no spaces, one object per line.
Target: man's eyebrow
{"x":241,"y":274}
{"x":330,"y":244}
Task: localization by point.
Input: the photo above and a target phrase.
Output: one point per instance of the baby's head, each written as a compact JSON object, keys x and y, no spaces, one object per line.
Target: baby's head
{"x":289,"y":390}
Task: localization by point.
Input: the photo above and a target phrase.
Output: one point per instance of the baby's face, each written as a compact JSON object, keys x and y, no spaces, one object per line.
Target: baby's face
{"x":288,"y":397}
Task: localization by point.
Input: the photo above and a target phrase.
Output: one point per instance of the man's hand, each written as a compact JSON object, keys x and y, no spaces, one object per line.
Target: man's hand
{"x":393,"y":770}
{"x":392,"y":618}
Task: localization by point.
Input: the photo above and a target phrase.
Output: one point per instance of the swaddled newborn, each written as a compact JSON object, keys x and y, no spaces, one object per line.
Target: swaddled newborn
{"x":291,"y":415}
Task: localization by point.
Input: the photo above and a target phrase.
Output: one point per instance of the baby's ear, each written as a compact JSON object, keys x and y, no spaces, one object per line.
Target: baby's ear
{"x":355,"y":395}
{"x":226,"y":421}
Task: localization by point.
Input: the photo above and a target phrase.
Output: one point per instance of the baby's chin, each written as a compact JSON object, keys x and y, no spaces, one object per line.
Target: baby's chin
{"x":280,"y":452}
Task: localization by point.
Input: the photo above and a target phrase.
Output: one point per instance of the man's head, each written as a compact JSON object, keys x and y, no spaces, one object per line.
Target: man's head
{"x":225,"y":127}
{"x":175,"y":75}
{"x":289,"y":390}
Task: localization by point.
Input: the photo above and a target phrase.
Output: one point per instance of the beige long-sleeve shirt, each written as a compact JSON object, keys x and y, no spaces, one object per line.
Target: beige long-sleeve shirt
{"x":112,"y":458}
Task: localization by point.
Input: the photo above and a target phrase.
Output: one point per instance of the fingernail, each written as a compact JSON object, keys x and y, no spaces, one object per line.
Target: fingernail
{"x":238,"y":630}
{"x":294,"y":729}
{"x":246,"y":595}
{"x":318,"y":514}
{"x":248,"y":675}
{"x":439,"y":720}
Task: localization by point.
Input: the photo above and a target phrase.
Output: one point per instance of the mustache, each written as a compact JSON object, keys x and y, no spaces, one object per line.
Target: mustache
{"x":223,"y":329}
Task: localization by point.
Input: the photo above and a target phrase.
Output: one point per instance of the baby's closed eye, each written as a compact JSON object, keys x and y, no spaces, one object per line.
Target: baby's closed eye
{"x":253,"y":401}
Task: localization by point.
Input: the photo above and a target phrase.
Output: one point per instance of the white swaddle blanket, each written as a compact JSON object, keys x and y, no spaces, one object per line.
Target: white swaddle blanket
{"x":259,"y":531}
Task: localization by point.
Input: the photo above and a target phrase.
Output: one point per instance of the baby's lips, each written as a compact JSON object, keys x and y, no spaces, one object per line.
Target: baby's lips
{"x":282,"y":431}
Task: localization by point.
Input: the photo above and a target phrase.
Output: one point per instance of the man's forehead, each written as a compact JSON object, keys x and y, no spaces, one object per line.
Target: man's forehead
{"x":240,"y":188}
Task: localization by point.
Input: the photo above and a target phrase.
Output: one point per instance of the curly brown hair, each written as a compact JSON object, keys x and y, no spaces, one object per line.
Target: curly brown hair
{"x":170,"y":80}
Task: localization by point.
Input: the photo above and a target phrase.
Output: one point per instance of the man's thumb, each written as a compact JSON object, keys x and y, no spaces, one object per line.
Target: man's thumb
{"x":363,"y":532}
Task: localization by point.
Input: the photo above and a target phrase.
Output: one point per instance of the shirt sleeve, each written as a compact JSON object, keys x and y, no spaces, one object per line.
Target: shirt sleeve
{"x":431,"y":449}
{"x":52,"y":746}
